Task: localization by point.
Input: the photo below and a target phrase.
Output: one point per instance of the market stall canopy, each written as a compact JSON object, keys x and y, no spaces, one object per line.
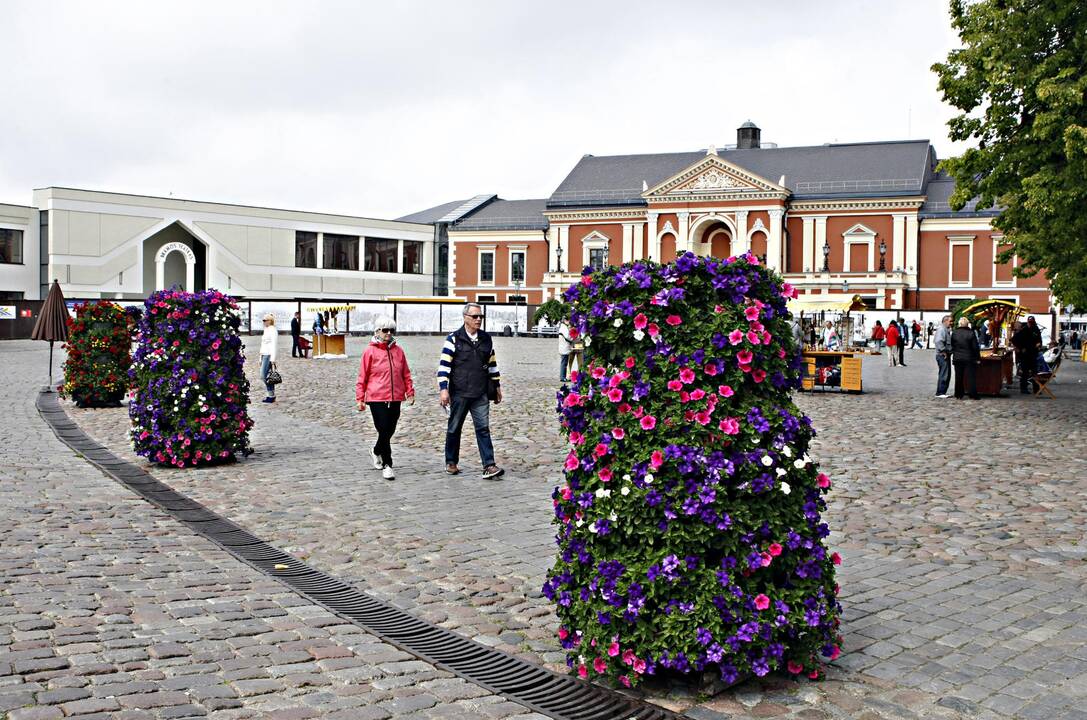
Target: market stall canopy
{"x":839,"y":303}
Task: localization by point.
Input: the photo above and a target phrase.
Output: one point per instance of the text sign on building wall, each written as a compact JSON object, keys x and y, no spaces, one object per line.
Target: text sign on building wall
{"x":7,"y":312}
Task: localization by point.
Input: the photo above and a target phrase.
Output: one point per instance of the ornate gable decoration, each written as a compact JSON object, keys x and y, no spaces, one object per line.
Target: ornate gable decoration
{"x":712,"y":176}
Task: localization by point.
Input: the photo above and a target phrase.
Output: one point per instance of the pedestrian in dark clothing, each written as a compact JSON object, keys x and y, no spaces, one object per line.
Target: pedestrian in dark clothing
{"x":296,"y":333}
{"x":1028,"y":342}
{"x":943,"y":356}
{"x":966,"y":356}
{"x":467,"y":372}
{"x":903,"y":333}
{"x":917,"y":329}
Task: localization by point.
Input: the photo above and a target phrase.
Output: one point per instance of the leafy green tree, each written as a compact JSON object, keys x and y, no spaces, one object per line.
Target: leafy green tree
{"x":1021,"y":85}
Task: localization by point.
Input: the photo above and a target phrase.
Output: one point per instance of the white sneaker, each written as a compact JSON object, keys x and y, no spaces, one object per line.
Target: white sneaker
{"x":376,"y":460}
{"x":387,"y":473}
{"x":944,"y":396}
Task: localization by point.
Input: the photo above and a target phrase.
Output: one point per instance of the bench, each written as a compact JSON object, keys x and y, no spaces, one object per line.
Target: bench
{"x":544,"y":330}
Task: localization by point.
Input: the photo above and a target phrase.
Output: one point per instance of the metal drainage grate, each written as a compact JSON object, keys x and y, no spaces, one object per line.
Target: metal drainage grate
{"x":539,"y":689}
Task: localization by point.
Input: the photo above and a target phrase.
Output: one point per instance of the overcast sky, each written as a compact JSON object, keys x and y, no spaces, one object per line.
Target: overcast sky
{"x":381,"y":109}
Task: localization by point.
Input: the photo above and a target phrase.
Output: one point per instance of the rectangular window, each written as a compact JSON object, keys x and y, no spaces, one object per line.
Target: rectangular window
{"x":960,"y":264}
{"x":516,"y":299}
{"x":484,"y":298}
{"x":341,"y":252}
{"x":598,"y":257}
{"x":11,"y":246}
{"x":858,"y":258}
{"x":305,"y":249}
{"x":381,"y":254}
{"x":1002,"y":273}
{"x":486,"y":267}
{"x":413,"y":257}
{"x":517,"y":266}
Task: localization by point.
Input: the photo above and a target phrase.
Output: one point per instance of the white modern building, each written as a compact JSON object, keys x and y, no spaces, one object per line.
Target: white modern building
{"x":119,"y":246}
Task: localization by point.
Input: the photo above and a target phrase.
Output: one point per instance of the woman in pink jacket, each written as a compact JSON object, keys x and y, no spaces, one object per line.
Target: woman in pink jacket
{"x":384,"y":382}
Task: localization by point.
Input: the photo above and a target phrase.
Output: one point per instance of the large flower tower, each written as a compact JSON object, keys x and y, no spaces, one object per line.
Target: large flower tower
{"x":189,"y":405}
{"x":99,"y":346}
{"x":689,"y":526}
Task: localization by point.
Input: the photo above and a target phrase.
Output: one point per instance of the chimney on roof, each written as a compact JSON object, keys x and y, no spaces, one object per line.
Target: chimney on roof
{"x":748,"y":136}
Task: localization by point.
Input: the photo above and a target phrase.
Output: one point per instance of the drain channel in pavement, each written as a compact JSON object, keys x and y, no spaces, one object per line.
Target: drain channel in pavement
{"x":539,"y":689}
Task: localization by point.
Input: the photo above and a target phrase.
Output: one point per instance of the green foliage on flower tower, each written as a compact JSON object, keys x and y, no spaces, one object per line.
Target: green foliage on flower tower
{"x":689,"y":525}
{"x":99,"y":342}
{"x":190,"y":402}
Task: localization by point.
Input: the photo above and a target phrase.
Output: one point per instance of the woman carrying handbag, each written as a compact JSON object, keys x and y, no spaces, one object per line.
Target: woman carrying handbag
{"x":269,"y":343}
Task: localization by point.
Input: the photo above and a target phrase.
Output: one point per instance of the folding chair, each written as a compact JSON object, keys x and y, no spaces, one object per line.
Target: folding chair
{"x":1042,"y":380}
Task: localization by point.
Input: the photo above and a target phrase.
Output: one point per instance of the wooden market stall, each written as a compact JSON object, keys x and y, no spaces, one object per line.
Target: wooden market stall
{"x":997,"y":366}
{"x":332,"y":342}
{"x":836,"y":367}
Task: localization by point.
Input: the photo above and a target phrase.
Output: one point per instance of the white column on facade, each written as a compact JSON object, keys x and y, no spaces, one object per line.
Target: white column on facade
{"x":552,"y":249}
{"x":911,"y":244}
{"x":898,"y":243}
{"x":321,"y":251}
{"x":637,"y":242}
{"x":740,"y":244}
{"x":808,"y":242}
{"x":654,"y":241}
{"x":820,"y":240}
{"x":628,"y":242}
{"x":683,"y":241}
{"x":774,"y":241}
{"x":399,"y":255}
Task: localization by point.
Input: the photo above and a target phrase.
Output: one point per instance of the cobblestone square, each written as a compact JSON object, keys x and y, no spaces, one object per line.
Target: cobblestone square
{"x":960,"y":523}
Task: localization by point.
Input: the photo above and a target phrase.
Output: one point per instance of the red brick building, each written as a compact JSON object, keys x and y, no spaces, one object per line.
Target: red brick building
{"x":837,"y":220}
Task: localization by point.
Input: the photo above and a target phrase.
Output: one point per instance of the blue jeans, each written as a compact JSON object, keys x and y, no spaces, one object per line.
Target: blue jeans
{"x":265,"y":364}
{"x":564,"y":365}
{"x":943,"y":379}
{"x":459,"y":407}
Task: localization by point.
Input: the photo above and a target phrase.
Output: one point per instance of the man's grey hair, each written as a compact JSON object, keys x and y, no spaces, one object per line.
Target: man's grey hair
{"x":469,"y":306}
{"x":945,"y":317}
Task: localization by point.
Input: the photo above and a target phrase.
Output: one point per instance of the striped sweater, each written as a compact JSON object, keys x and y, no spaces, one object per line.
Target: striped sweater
{"x":445,"y":363}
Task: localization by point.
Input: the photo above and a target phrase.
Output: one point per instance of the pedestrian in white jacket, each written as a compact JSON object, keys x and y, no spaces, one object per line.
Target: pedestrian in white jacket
{"x":269,"y":343}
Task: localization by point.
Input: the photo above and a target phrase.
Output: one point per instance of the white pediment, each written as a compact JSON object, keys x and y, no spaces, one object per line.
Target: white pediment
{"x":712,"y":175}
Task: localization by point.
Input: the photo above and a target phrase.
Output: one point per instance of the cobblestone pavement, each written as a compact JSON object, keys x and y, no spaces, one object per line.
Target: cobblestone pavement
{"x":960,"y":524}
{"x":111,"y":609}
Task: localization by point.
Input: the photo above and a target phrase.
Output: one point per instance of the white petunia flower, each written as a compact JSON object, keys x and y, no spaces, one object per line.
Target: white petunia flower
{"x":638,"y":335}
{"x":617,"y":322}
{"x":649,"y":478}
{"x":781,"y":471}
{"x":787,"y":451}
{"x":613,"y":517}
{"x":627,"y":477}
{"x":624,"y":491}
{"x":767,"y":460}
{"x":603,"y":493}
{"x":579,"y":523}
{"x":799,"y":464}
{"x":785,"y":487}
{"x":592,"y":528}
{"x":588,"y":341}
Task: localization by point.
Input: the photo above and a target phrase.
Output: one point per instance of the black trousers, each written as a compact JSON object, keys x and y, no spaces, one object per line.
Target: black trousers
{"x":295,"y":347}
{"x":966,"y":374}
{"x":901,"y":352}
{"x":1028,"y":368}
{"x":385,"y":415}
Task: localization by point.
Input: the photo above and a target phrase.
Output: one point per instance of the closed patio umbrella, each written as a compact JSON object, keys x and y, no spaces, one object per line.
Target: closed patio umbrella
{"x":52,"y":324}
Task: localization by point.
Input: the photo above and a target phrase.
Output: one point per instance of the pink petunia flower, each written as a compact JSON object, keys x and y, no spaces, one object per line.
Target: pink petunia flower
{"x":571,"y":462}
{"x":823,"y":480}
{"x":629,"y":362}
{"x":648,"y":422}
{"x":698,"y":394}
{"x":656,"y":459}
{"x":599,"y":372}
{"x":613,"y":649}
{"x":640,"y":321}
{"x":674,"y":320}
{"x":653,"y":329}
{"x":600,"y":450}
{"x":628,"y":656}
{"x":718,"y":308}
{"x":710,"y":369}
{"x":758,"y":375}
{"x":702,"y":418}
{"x":624,"y":680}
{"x":761,"y":602}
{"x":563,"y":633}
{"x":639,"y":666}
{"x":615,"y":395}
{"x":794,"y":667}
{"x":675,"y":385}
{"x":729,"y":426}
{"x":774,"y":549}
{"x":686,"y":375}
{"x":836,"y":558}
{"x":736,"y":337}
{"x":751,"y":313}
{"x":605,"y":474}
{"x":582,"y":671}
{"x":753,"y":337}
{"x":744,"y":357}
{"x":725,"y":391}
{"x":600,"y":665}
{"x":576,"y":438}
{"x":567,"y":493}
{"x":618,"y":433}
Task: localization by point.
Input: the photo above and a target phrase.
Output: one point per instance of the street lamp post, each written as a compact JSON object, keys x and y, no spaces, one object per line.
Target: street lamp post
{"x":882,"y":255}
{"x":558,"y":258}
{"x":826,"y":257}
{"x":516,"y":305}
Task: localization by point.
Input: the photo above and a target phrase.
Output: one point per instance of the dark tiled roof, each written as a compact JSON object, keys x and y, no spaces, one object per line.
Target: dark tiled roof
{"x":849,"y":170}
{"x":431,"y":215}
{"x":507,"y":215}
{"x":936,"y":205}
